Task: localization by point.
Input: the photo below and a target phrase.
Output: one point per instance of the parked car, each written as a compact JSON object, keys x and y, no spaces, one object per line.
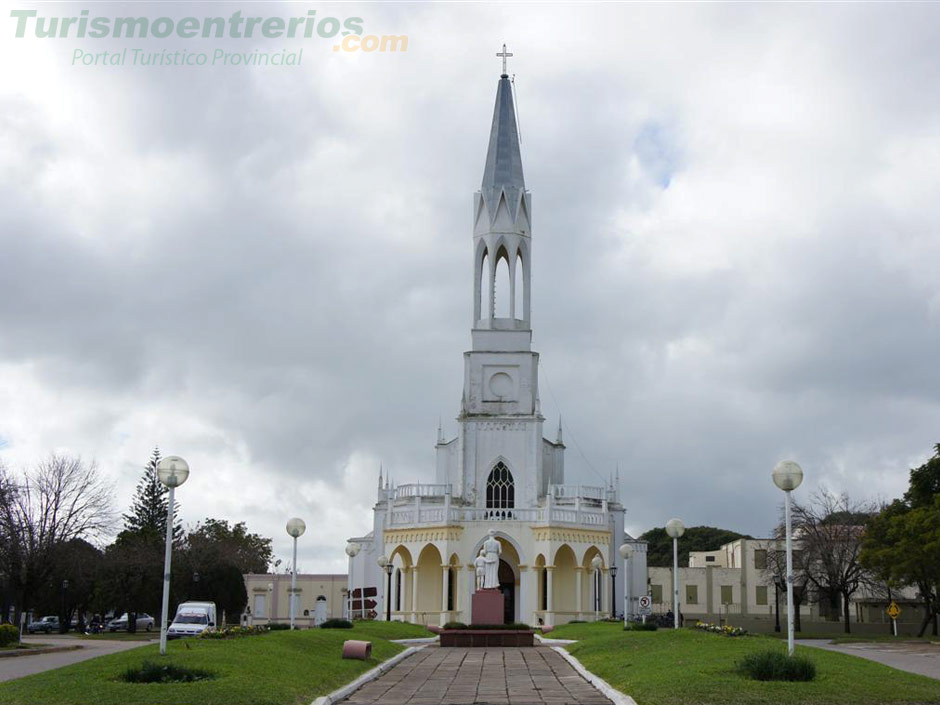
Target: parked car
{"x":46,"y":624}
{"x":144,"y":622}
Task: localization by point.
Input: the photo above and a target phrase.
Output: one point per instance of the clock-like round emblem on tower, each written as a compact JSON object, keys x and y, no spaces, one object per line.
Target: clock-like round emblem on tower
{"x":501,"y":385}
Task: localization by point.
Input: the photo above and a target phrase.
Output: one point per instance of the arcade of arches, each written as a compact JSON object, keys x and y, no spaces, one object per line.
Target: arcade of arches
{"x":560,"y":585}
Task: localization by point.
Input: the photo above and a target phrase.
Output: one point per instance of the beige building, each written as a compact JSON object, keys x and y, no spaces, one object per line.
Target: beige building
{"x":736,"y":584}
{"x":318,"y":598}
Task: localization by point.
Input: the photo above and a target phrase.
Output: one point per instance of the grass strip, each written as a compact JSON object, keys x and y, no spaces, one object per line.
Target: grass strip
{"x":279,"y":668}
{"x":689,"y":667}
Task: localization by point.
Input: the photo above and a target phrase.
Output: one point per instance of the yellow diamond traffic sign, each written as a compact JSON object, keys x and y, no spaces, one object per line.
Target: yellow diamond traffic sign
{"x":893,"y":610}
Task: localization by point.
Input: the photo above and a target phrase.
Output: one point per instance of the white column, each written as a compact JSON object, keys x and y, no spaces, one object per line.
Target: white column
{"x":414,"y":593}
{"x":445,"y":584}
{"x":528,"y":594}
{"x":578,"y":581}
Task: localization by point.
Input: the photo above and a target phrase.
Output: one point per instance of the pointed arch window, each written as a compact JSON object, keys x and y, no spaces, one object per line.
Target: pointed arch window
{"x":500,"y":491}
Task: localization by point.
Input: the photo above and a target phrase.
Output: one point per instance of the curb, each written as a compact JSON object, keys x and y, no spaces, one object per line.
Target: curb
{"x":348,"y":689}
{"x":42,"y":650}
{"x":606,"y":688}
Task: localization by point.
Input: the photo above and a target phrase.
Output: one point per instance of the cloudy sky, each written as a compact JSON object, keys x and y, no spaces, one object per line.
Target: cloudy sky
{"x":267,"y":270}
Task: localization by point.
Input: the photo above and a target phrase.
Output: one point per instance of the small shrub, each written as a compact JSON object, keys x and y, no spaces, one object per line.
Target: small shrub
{"x":150,"y":672}
{"x":8,"y":634}
{"x":577,"y":621}
{"x":278,"y":626}
{"x":641,"y":627}
{"x":455,"y":625}
{"x":777,"y":666}
{"x":337,"y":624}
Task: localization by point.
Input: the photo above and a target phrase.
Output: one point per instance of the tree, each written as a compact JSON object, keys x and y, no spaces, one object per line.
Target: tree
{"x":61,"y":499}
{"x":151,"y":502}
{"x":828,"y":532}
{"x":214,"y":541}
{"x":902,"y":543}
{"x":695,"y":538}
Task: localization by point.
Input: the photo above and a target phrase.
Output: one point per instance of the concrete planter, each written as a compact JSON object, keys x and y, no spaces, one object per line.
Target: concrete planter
{"x":487,"y":637}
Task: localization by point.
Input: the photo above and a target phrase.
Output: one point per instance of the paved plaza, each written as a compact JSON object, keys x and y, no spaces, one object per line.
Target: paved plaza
{"x":911,"y":656}
{"x":477,"y":676}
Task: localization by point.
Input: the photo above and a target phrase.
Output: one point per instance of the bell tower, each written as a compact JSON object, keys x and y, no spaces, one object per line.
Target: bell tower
{"x":500,"y":446}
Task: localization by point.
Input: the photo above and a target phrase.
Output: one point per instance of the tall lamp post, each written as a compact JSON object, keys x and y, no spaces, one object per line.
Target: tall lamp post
{"x":596,"y":565}
{"x":352,"y":549}
{"x":295,"y":528}
{"x":613,"y":590}
{"x":675,"y":528}
{"x":172,"y":472}
{"x":626,"y":550}
{"x":386,"y":565}
{"x":788,"y":476}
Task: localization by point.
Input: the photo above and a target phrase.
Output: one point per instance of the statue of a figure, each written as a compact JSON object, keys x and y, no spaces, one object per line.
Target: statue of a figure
{"x":479,"y":564}
{"x":491,"y":551}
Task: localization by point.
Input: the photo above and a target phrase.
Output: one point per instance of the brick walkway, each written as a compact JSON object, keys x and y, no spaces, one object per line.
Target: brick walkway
{"x":491,"y":676}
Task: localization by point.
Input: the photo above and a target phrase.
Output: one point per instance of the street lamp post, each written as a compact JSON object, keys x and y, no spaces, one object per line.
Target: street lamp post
{"x":626,"y":550}
{"x":613,"y":590}
{"x":596,"y":565}
{"x":788,"y":476}
{"x":352,"y":549}
{"x":172,"y":472}
{"x":386,"y":565}
{"x":295,"y":528}
{"x":65,"y":617}
{"x":675,"y":528}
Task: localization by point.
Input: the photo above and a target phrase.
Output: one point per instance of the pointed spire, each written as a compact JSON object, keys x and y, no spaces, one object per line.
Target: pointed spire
{"x":440,"y":431}
{"x":503,"y":171}
{"x":559,"y":439}
{"x":380,"y":475}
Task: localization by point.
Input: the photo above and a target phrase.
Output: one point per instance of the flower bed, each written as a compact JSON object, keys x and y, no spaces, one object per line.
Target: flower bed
{"x":234,"y":632}
{"x":726,"y":630}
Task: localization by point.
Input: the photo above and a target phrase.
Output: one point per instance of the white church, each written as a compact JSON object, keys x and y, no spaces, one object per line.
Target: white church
{"x":559,"y":541}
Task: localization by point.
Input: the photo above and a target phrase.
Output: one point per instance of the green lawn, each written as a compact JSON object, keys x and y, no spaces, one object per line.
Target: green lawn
{"x":688,"y":667}
{"x":279,"y":668}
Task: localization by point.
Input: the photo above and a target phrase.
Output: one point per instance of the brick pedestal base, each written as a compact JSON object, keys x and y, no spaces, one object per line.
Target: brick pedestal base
{"x":488,"y":607}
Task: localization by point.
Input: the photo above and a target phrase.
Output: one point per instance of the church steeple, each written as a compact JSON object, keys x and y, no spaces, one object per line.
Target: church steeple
{"x":501,"y":224}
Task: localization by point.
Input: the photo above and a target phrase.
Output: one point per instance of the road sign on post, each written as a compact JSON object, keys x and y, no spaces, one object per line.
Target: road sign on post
{"x":646,"y":604}
{"x":894,"y":612}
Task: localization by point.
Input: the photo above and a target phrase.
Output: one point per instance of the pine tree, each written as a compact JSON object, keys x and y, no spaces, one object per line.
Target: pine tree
{"x":149,"y":506}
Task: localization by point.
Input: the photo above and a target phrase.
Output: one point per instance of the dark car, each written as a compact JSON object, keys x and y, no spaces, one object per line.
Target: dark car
{"x":46,"y":624}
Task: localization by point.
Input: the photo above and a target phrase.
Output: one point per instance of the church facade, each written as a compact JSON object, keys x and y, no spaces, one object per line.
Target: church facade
{"x":559,"y":541}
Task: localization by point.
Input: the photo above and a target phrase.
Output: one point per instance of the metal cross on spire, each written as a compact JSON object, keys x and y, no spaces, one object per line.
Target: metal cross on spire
{"x":504,"y":54}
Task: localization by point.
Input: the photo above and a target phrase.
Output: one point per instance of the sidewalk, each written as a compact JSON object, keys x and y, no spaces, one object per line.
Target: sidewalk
{"x":20,"y":666}
{"x":911,"y":656}
{"x":495,"y":676}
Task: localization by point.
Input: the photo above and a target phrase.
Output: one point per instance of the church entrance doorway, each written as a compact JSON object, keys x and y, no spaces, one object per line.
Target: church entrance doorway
{"x":507,"y":584}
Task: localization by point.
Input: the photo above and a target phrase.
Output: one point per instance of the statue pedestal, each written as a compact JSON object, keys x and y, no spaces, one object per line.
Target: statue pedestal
{"x":488,"y":606}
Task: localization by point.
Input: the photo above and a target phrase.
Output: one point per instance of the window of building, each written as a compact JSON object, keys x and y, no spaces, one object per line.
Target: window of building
{"x":709,"y":559}
{"x":691,"y":594}
{"x":500,"y":489}
{"x":656,"y":592}
{"x":727,"y":594}
{"x":762,"y":594}
{"x":760,"y":559}
{"x":451,"y":588}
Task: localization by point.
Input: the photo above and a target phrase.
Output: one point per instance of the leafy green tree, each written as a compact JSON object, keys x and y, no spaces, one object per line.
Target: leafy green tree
{"x":695,"y":538}
{"x":215,"y":541}
{"x":902,"y":543}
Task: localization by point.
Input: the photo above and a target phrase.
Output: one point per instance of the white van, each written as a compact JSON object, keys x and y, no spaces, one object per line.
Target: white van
{"x":192,"y":619}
